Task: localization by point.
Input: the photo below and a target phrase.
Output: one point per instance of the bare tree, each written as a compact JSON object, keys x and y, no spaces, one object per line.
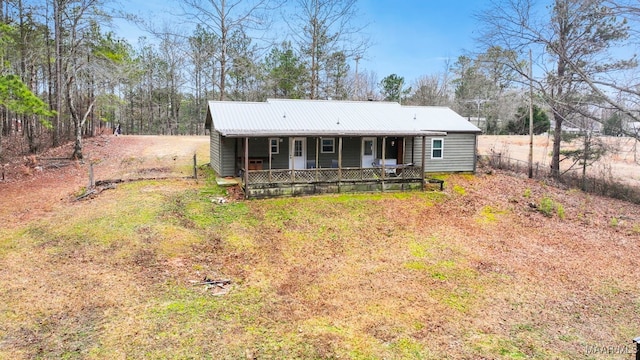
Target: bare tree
{"x":323,"y":28}
{"x":224,"y":18}
{"x":575,"y":37}
{"x":431,"y":90}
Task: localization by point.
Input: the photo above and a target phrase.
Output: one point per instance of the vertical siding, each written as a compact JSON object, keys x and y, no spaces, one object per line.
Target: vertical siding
{"x":281,"y":159}
{"x":351,"y":151}
{"x":228,"y":156}
{"x":459,"y":153}
{"x":214,"y":152}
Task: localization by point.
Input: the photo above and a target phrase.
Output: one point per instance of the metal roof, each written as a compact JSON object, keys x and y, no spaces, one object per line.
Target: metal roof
{"x":280,"y":117}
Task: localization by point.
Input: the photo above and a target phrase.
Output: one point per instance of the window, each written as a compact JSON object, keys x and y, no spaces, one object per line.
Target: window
{"x":275,"y":145}
{"x":297,"y":148}
{"x":436,"y":148}
{"x":328,"y":146}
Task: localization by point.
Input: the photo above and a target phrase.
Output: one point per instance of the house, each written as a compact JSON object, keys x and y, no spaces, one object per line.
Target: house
{"x":289,"y":147}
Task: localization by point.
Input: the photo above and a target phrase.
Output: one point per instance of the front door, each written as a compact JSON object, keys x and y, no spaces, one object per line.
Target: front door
{"x":299,"y":153}
{"x":368,"y":151}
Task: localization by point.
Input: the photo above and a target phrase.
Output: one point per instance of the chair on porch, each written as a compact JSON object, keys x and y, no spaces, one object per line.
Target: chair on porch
{"x":311,"y":164}
{"x":334,"y":164}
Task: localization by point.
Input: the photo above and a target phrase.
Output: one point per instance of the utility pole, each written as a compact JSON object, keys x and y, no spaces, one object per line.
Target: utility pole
{"x":478,"y":102}
{"x":357,"y":90}
{"x":530,"y":116}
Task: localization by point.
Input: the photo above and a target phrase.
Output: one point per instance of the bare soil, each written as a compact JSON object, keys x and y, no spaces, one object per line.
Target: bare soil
{"x":32,"y":185}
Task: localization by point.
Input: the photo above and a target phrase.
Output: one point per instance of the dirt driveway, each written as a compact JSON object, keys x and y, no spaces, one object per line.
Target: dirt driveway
{"x":36,"y":185}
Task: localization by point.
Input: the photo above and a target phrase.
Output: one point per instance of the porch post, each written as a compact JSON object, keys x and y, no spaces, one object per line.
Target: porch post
{"x":246,"y":167}
{"x":384,"y":157}
{"x":292,"y":162}
{"x":404,"y":148}
{"x":422,"y":165}
{"x":317,"y":156}
{"x":339,"y":159}
{"x":270,"y":155}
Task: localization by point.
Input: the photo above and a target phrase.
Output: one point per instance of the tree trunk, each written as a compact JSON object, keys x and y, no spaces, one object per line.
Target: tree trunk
{"x":58,"y":59}
{"x":557,"y":139}
{"x":585,"y":157}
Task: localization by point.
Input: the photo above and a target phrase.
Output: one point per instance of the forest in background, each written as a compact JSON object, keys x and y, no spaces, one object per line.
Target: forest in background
{"x":575,"y":59}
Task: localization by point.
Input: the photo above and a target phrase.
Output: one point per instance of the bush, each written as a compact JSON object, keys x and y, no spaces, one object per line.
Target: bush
{"x":547,"y":207}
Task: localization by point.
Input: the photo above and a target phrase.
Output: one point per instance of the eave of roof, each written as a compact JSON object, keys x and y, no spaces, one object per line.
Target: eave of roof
{"x":271,"y":133}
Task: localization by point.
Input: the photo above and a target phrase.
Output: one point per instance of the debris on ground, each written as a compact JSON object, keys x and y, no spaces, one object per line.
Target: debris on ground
{"x":216,"y":286}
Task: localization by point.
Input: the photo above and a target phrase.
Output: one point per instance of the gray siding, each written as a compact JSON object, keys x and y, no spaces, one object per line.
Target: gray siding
{"x":459,"y":153}
{"x":214,"y":153}
{"x":223,"y":153}
{"x":228,"y":157}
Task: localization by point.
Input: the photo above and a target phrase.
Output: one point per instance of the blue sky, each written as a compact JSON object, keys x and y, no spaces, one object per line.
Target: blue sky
{"x":410,"y":38}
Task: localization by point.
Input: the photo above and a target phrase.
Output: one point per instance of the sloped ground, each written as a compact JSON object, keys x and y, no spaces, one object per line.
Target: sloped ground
{"x":477,"y":271}
{"x":34,"y":185}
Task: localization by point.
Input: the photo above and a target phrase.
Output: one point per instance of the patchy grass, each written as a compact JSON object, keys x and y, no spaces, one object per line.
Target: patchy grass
{"x":363,"y":276}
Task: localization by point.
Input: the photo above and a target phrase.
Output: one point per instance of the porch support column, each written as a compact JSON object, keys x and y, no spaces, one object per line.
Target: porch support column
{"x":384,"y":157}
{"x":246,"y":167}
{"x":404,"y":148}
{"x":317,"y":156}
{"x":270,"y":156}
{"x":292,"y":162}
{"x":423,"y":165}
{"x":340,"y":159}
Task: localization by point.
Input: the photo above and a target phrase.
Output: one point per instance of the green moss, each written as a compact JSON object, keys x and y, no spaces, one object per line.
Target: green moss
{"x":489,"y":214}
{"x":459,"y":190}
{"x":415,"y":265}
{"x":408,"y":348}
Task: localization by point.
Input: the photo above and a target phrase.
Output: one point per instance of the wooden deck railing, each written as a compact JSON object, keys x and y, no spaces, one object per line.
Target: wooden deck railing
{"x":328,"y":175}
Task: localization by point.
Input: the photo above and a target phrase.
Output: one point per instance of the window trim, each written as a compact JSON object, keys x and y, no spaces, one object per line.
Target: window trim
{"x":333,"y":146}
{"x":441,"y":148}
{"x":277,"y":145}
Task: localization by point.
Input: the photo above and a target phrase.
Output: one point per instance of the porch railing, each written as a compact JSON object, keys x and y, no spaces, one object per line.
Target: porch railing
{"x":289,"y":176}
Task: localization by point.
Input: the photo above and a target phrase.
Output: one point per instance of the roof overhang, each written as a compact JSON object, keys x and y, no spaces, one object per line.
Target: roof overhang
{"x":241,"y":133}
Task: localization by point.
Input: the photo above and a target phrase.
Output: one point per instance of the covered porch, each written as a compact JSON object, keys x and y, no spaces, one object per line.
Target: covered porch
{"x":298,"y":165}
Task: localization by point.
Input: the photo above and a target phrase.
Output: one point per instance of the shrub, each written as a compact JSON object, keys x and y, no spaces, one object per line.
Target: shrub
{"x":546,"y":206}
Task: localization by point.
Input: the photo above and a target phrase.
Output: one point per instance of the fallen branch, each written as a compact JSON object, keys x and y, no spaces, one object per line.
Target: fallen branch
{"x":220,"y":283}
{"x":86,"y":194}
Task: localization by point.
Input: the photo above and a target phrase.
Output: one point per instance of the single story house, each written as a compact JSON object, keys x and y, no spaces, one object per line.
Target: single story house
{"x":289,"y":147}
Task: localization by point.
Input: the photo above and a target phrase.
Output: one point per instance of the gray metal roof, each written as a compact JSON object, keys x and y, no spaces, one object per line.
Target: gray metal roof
{"x":280,"y":117}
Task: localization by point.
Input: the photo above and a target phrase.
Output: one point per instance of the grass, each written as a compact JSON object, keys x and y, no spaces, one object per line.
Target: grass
{"x":361,"y":276}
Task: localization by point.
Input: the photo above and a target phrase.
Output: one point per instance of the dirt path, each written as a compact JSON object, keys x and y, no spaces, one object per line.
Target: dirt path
{"x":34,"y":187}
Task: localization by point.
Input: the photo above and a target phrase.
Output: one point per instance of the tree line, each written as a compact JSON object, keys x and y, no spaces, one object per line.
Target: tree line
{"x":67,"y":75}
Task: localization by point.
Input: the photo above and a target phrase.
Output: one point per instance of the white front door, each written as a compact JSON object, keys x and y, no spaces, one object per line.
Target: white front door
{"x":368,"y":151}
{"x":299,"y":153}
